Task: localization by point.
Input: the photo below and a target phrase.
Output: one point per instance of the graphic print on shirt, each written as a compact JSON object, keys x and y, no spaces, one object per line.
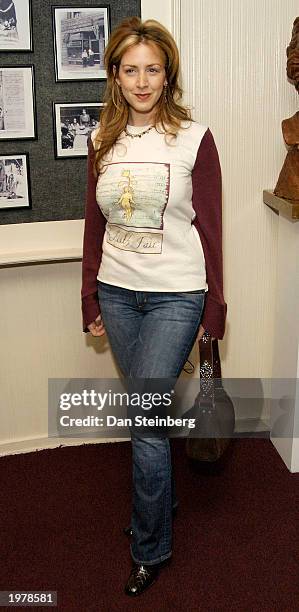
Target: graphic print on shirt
{"x":137,"y":242}
{"x":134,"y":194}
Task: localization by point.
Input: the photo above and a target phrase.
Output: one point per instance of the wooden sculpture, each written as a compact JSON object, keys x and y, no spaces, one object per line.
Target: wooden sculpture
{"x":288,"y":181}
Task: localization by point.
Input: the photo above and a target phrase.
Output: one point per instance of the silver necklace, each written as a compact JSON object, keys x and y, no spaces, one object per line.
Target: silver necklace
{"x":140,"y":133}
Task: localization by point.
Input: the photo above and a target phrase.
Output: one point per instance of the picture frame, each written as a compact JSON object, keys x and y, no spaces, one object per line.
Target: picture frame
{"x":73,"y":122}
{"x":15,"y":185}
{"x":16,"y":26}
{"x":17,"y":103}
{"x":80,"y":34}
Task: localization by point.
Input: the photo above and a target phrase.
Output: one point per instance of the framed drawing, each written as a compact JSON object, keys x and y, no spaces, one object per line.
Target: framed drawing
{"x":15,"y":191}
{"x":80,"y":35}
{"x":17,"y":103}
{"x":73,"y":122}
{"x":15,"y":25}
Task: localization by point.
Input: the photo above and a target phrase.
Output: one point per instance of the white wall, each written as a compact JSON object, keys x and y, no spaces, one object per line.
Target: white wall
{"x":234,"y":74}
{"x":155,"y":9}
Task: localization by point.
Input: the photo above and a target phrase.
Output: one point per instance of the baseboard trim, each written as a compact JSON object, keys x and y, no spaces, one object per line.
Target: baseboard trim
{"x":37,"y":444}
{"x":243,"y":427}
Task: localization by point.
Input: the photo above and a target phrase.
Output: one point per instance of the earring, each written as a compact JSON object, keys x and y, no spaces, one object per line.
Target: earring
{"x":165,"y":93}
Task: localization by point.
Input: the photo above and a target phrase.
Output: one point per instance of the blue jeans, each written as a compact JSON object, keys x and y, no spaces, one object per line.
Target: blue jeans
{"x":151,"y":335}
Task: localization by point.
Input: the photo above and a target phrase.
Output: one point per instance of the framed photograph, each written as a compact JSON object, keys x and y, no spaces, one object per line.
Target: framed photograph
{"x":80,"y":35}
{"x":17,"y":103}
{"x":15,"y":25}
{"x":72,"y":125}
{"x":15,"y":191}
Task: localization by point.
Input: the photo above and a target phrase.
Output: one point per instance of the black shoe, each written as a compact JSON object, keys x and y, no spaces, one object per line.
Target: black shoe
{"x":128,"y":531}
{"x":141,"y":577}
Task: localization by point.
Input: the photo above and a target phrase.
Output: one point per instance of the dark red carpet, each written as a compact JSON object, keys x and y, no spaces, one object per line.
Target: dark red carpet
{"x":236,"y":544}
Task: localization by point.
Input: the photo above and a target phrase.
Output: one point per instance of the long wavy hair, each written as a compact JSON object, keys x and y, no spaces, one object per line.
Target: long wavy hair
{"x":169,"y":112}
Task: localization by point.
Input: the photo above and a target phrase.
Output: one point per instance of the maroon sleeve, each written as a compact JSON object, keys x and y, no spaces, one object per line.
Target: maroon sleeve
{"x":94,"y":230}
{"x":206,"y":200}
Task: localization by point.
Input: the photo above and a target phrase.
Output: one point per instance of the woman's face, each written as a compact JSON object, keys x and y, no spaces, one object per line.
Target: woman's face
{"x":142,"y":77}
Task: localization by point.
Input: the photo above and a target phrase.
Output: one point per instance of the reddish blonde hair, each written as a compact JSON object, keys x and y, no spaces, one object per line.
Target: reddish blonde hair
{"x":114,"y":116}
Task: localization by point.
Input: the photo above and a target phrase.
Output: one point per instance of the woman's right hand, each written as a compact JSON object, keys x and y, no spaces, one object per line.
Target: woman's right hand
{"x":97,"y":328}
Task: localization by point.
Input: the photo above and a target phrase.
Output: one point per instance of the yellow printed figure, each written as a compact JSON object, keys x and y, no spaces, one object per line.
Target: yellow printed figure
{"x":126,"y":200}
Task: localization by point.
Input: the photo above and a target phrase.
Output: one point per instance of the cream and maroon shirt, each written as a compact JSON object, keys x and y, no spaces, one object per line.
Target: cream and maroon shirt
{"x":153,"y":220}
{"x":145,"y":194}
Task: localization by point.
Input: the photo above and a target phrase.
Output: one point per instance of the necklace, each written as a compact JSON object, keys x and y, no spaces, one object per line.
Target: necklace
{"x":140,"y":133}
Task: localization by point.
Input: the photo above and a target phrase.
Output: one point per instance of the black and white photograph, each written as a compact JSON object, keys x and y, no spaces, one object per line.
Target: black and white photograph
{"x":73,"y":123}
{"x":15,"y":25}
{"x":15,"y":181}
{"x":17,"y":103}
{"x":80,"y":36}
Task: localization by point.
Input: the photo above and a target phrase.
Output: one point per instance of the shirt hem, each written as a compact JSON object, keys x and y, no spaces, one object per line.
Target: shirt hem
{"x":147,"y":288}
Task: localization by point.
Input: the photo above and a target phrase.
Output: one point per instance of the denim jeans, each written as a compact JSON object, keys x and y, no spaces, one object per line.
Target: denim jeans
{"x":151,"y":335}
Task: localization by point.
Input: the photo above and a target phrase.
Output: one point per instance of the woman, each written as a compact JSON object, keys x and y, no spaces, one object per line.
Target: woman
{"x":152,"y":253}
{"x":74,"y":127}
